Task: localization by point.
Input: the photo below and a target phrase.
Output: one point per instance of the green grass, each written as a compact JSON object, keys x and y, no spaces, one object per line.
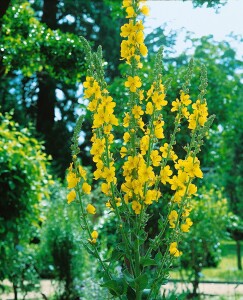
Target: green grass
{"x":226,"y":270}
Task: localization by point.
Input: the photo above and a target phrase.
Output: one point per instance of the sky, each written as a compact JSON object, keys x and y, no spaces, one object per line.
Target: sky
{"x":202,"y":21}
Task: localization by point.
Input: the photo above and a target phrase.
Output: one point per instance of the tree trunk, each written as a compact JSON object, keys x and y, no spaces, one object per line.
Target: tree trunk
{"x":15,"y":292}
{"x":195,"y":283}
{"x":238,"y":250}
{"x":45,"y":105}
{"x":47,"y":96}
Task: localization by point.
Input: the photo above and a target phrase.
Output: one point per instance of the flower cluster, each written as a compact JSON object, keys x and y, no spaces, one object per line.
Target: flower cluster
{"x":150,"y":163}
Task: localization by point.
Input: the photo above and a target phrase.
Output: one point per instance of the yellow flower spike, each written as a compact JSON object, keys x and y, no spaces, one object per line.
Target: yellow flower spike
{"x":71,"y":196}
{"x":91,"y":209}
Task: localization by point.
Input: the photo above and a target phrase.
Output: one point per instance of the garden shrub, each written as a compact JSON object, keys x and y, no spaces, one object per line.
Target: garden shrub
{"x":24,"y":186}
{"x":61,"y":256}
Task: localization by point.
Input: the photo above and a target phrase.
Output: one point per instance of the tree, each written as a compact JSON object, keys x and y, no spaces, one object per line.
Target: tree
{"x":45,"y":56}
{"x":201,"y":246}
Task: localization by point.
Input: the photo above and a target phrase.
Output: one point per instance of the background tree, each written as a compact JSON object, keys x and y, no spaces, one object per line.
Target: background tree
{"x":201,"y":246}
{"x":46,"y":60}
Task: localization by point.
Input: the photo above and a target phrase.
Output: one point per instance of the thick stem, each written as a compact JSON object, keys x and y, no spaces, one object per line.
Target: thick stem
{"x":238,"y":251}
{"x":15,"y":291}
{"x":195,"y":282}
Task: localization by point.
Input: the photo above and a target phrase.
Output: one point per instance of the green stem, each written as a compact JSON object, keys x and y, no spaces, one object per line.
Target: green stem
{"x":89,"y":232}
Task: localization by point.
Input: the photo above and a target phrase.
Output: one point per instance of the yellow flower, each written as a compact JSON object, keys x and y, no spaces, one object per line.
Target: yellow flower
{"x":176,"y":105}
{"x":109,"y":174}
{"x":86,"y":188}
{"x":165,"y":174}
{"x":185,"y":99}
{"x":192,"y":189}
{"x":144,"y":144}
{"x":159,"y":100}
{"x":158,"y":129}
{"x":126,"y":120}
{"x":94,"y":234}
{"x":173,"y":216}
{"x":192,"y":121}
{"x":130,"y":12}
{"x":174,"y":251}
{"x":123,"y":151}
{"x":137,"y":111}
{"x":72,"y":180}
{"x":133,"y":83}
{"x":155,"y":157}
{"x":145,"y":10}
{"x":146,"y":173}
{"x":186,"y":226}
{"x":126,"y":3}
{"x":89,"y":81}
{"x":91,"y":209}
{"x":71,"y":196}
{"x":149,"y":108}
{"x":98,"y":147}
{"x":126,"y":137}
{"x":105,"y":188}
{"x":192,"y":167}
{"x":136,"y":206}
{"x":151,"y":195}
{"x":82,"y":172}
{"x":127,"y":29}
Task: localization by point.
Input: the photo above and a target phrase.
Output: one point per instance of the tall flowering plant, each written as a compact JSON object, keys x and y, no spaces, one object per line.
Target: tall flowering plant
{"x":149,"y":165}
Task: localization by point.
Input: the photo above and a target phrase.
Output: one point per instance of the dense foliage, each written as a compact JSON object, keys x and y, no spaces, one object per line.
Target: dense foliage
{"x":24,"y":183}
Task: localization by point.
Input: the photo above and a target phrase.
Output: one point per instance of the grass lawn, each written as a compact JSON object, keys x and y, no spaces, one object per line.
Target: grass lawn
{"x":226,"y":270}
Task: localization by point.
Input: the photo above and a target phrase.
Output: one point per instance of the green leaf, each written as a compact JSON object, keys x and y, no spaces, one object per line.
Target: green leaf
{"x":131,"y":295}
{"x":142,"y":281}
{"x":129,"y":279}
{"x":116,"y":286}
{"x":115,"y":256}
{"x":158,"y":257}
{"x":88,"y":249}
{"x":148,"y":262}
